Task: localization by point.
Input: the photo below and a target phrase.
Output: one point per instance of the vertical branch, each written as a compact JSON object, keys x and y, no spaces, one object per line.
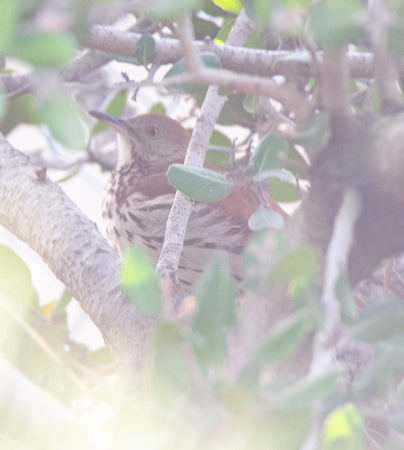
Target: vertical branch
{"x":186,"y":36}
{"x":335,"y":264}
{"x":334,"y":81}
{"x":182,"y":207}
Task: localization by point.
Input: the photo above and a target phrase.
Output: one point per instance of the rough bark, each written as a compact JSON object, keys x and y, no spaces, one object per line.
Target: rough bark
{"x":39,"y":213}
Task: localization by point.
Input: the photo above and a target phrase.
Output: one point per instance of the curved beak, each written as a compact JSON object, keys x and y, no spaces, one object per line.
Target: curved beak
{"x":115,"y":122}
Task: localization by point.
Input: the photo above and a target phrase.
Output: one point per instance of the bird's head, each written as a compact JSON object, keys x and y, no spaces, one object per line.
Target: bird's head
{"x":148,"y":138}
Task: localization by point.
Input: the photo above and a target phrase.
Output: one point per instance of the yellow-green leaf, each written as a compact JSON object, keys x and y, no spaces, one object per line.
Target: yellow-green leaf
{"x":8,"y":20}
{"x":200,"y":183}
{"x":233,"y":6}
{"x":46,"y":49}
{"x":343,"y":429}
{"x":15,"y":278}
{"x":63,"y":118}
{"x":140,"y":282}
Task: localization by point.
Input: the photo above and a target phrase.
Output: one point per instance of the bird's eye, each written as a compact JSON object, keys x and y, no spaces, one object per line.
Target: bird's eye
{"x":152,"y":131}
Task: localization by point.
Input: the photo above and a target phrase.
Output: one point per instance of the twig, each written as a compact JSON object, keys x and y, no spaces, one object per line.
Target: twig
{"x":277,"y":122}
{"x":182,"y":206}
{"x":186,"y":36}
{"x":335,"y":264}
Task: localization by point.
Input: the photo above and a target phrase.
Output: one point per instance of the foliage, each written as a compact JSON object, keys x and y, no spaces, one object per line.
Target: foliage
{"x":271,"y":400}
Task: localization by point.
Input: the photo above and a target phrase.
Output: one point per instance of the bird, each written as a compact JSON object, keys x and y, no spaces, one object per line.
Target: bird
{"x":138,"y":199}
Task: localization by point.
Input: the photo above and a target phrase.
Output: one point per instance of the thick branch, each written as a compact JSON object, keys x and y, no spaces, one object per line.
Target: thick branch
{"x":232,"y":56}
{"x":39,"y":213}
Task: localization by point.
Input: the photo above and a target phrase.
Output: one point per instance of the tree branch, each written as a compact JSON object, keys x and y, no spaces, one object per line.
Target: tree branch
{"x":232,"y":56}
{"x":182,"y":206}
{"x":39,"y":213}
{"x":336,"y":264}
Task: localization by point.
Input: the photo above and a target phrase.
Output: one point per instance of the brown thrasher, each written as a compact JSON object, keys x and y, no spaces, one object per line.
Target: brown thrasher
{"x":139,"y":198}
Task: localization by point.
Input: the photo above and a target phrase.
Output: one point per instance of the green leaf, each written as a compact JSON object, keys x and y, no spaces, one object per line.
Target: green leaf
{"x":300,"y":262}
{"x":392,"y":350}
{"x":264,"y":218}
{"x":233,"y":6}
{"x":218,"y":156}
{"x":378,"y":321}
{"x":280,"y":174}
{"x":21,"y":109}
{"x":211,"y":60}
{"x":314,"y":132}
{"x":258,"y":10}
{"x":284,"y":338}
{"x":146,"y":47}
{"x":233,"y":111}
{"x":140,"y":282}
{"x":158,"y":108}
{"x":252,"y":104}
{"x":303,"y":393}
{"x":334,"y":24}
{"x":219,"y":149}
{"x":233,"y":396}
{"x":224,"y":32}
{"x":395,"y":35}
{"x":220,"y":139}
{"x":344,"y":295}
{"x":61,"y":305}
{"x":344,"y":429}
{"x":171,"y":374}
{"x":263,"y":12}
{"x":279,"y":430}
{"x":305,"y":292}
{"x":167,"y":335}
{"x":3,"y":103}
{"x":46,"y":49}
{"x":164,"y":10}
{"x":208,"y":59}
{"x":283,"y":191}
{"x":15,"y":279}
{"x":203,"y":28}
{"x":115,"y":108}
{"x":63,"y":117}
{"x":8,"y":21}
{"x":216,"y":312}
{"x":102,"y":356}
{"x":271,"y":153}
{"x":199,"y":183}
